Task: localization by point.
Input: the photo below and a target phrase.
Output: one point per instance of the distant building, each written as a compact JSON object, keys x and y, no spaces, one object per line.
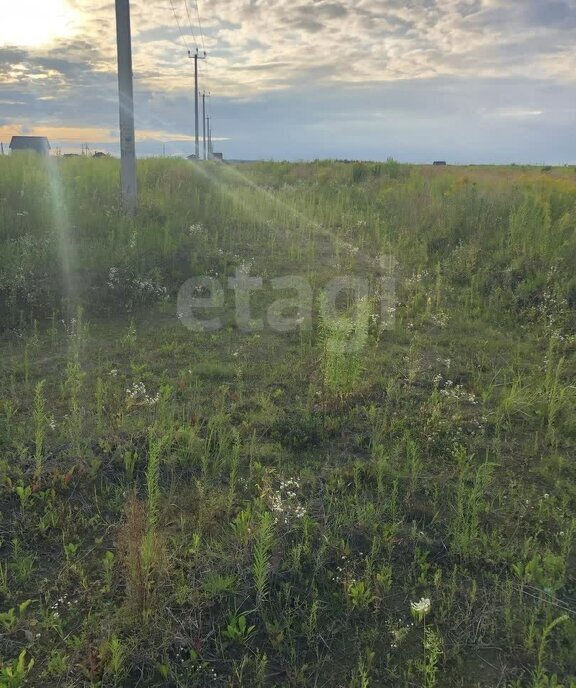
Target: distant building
{"x":438,"y":163}
{"x":100,"y":154}
{"x":39,"y":144}
{"x":217,"y":156}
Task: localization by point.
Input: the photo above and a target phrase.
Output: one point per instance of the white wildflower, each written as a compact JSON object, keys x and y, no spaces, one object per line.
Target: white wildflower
{"x":421,"y":608}
{"x":138,"y":396}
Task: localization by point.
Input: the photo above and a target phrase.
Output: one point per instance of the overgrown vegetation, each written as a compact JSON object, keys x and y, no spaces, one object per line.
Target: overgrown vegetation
{"x":385,"y":498}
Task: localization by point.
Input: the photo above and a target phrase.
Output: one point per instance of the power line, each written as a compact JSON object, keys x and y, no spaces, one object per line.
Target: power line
{"x":195,"y":54}
{"x":178,"y":23}
{"x":200,"y":25}
{"x":190,"y":23}
{"x":207,"y":64}
{"x":212,"y":21}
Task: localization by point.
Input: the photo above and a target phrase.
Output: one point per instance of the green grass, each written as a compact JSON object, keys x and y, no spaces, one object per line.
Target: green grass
{"x":235,"y":508}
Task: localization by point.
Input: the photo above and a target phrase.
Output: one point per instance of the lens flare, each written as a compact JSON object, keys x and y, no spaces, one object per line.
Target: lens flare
{"x":33,"y":23}
{"x":62,"y":228}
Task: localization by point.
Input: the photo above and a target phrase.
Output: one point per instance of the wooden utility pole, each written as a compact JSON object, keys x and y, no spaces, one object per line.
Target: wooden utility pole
{"x":196,"y":56}
{"x":126,"y":100}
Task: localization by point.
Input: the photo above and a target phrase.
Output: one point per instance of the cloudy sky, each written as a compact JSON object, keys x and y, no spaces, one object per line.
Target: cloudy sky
{"x":463,"y":80}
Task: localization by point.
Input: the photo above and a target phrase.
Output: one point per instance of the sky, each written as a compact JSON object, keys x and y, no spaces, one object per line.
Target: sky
{"x":466,"y":81}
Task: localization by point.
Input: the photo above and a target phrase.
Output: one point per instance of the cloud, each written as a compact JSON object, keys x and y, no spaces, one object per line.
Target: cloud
{"x":316,"y":60}
{"x":367,"y":41}
{"x":552,"y":13}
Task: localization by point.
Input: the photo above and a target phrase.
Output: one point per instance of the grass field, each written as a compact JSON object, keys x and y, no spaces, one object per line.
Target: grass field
{"x":382,"y":496}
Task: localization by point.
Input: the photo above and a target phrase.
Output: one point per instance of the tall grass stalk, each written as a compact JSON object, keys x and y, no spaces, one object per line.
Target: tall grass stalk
{"x":470,"y":501}
{"x":100,"y":405}
{"x":233,"y":473}
{"x":39,"y":428}
{"x":555,"y":393}
{"x":261,"y":557}
{"x":73,"y":386}
{"x":344,"y":341}
{"x":540,"y":673}
{"x":157,"y":442}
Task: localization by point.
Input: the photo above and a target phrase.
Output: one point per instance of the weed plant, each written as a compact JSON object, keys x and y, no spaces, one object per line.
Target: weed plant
{"x":235,"y":508}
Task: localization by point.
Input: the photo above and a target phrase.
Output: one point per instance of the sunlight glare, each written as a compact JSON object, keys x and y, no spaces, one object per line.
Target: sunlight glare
{"x":32,"y":23}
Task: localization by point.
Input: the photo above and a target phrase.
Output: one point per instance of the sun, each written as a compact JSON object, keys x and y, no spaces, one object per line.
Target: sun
{"x":33,"y":23}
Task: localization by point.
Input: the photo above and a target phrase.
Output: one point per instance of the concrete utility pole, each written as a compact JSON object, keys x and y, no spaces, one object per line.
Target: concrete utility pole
{"x":204,"y":95}
{"x":126,"y":98}
{"x":196,"y":56}
{"x":209,"y":138}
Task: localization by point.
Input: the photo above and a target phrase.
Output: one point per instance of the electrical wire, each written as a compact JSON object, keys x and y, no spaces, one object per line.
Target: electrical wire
{"x":195,"y":35}
{"x":186,"y":45}
{"x":204,"y":65}
{"x":207,"y":64}
{"x":190,"y":24}
{"x":200,"y":25}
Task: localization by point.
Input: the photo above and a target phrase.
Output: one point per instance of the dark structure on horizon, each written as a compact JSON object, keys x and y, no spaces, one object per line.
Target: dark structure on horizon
{"x":439,"y":163}
{"x":38,"y":144}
